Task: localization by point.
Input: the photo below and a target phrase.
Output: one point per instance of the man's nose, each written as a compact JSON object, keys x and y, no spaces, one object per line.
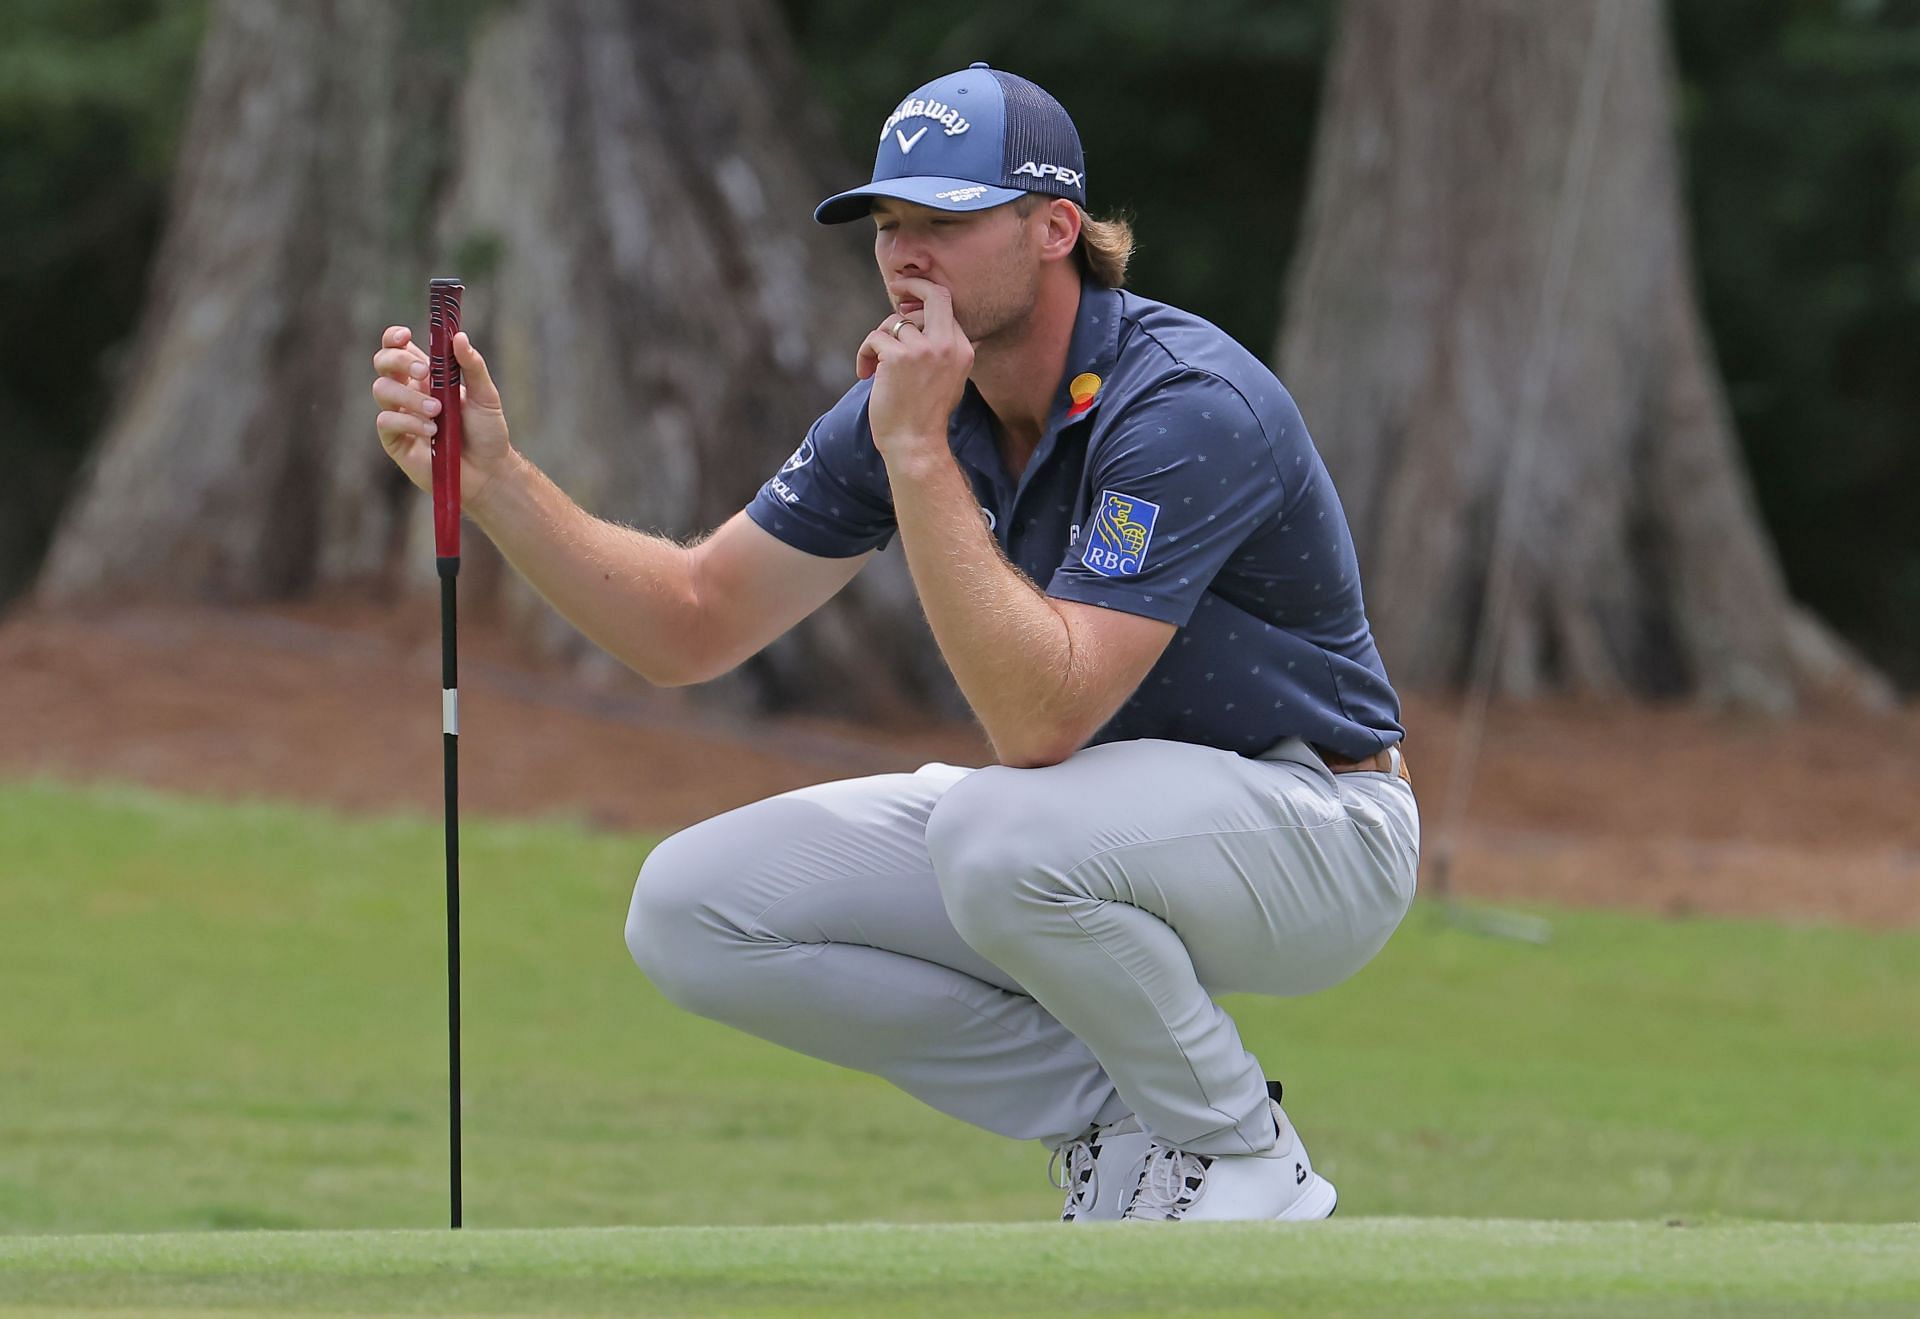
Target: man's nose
{"x":907,"y":257}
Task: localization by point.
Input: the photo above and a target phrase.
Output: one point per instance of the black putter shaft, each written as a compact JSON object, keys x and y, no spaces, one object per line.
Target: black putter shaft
{"x":450,"y":742}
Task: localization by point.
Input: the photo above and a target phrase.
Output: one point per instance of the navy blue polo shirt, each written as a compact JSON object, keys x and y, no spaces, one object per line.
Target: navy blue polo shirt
{"x":1175,"y":480}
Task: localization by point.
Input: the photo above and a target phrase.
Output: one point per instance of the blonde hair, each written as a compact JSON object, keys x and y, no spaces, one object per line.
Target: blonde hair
{"x":1105,"y":246}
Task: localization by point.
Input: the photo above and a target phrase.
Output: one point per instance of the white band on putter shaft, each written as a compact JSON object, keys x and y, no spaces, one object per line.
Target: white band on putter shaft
{"x":450,"y":710}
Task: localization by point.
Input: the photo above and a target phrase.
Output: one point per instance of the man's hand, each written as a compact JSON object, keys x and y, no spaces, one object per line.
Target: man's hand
{"x":406,"y":425}
{"x":918,"y":375}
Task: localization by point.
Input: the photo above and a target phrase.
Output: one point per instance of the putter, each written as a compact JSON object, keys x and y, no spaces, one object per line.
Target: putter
{"x":443,"y":320}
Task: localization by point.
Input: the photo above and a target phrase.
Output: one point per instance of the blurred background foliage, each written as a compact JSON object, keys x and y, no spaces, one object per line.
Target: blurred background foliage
{"x":1801,"y":130}
{"x":91,"y":99}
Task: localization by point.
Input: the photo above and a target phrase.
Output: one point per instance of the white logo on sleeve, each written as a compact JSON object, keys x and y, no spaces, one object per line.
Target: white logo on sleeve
{"x":801,"y":457}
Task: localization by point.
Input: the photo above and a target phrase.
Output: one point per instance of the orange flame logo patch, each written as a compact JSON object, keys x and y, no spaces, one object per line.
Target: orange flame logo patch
{"x":1083,"y":389}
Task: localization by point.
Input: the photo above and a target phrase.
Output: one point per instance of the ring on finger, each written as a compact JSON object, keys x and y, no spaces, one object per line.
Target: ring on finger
{"x":900,"y":324}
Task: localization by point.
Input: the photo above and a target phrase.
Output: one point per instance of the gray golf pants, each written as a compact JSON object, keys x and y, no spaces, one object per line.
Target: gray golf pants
{"x":1036,"y":951}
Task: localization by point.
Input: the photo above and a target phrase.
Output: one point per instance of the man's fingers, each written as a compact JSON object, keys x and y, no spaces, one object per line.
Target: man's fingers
{"x":393,"y":394}
{"x":394,"y":425}
{"x":399,"y":339}
{"x":936,"y":303}
{"x":937,"y":316}
{"x":875,"y":349}
{"x":479,"y":382}
{"x":406,"y":363}
{"x":917,"y":289}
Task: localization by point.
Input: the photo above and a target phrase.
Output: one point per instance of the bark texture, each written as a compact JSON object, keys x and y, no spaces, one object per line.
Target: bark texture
{"x":626,"y":190}
{"x":1413,"y":315}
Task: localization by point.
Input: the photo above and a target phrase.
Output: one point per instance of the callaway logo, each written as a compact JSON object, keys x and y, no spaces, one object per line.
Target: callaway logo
{"x":1073,"y":178}
{"x":913,"y":107}
{"x":909,"y":143}
{"x":958,"y":194}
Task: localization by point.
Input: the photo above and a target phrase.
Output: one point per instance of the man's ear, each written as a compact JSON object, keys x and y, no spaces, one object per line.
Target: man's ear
{"x":1062,"y":220}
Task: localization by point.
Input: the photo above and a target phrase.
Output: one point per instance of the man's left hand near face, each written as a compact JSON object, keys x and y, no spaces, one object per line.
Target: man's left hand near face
{"x":918,"y":375}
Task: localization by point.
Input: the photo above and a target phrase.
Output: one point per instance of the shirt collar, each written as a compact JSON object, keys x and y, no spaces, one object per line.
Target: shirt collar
{"x":1091,"y":352}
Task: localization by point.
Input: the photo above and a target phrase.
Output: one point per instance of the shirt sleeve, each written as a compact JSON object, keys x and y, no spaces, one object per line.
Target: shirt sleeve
{"x":1179,"y":484}
{"x":831,"y":498}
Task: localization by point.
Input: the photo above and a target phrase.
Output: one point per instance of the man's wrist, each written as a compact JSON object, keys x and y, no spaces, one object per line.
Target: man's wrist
{"x":499,"y":487}
{"x":917,"y":460}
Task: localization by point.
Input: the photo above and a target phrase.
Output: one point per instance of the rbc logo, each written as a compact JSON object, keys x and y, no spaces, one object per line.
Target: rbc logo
{"x":1121,"y":534}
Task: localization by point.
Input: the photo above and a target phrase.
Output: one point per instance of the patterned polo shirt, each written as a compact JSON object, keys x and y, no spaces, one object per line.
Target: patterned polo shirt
{"x":1176,"y":480}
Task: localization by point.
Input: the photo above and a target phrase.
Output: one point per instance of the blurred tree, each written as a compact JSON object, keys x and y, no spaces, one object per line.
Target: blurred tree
{"x":1803,"y":137}
{"x":616,"y":183}
{"x":1799,"y":118}
{"x":90,"y":95}
{"x":1441,"y":184}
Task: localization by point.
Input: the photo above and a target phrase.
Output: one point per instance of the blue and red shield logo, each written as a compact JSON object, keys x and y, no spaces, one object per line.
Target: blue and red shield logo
{"x":1121,"y":534}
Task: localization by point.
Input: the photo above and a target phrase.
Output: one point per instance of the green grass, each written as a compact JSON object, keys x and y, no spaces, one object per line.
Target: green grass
{"x":1401,"y":1267}
{"x":233,"y":1017}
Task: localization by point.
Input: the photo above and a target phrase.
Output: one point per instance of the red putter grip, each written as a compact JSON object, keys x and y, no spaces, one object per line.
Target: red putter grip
{"x":443,"y":322}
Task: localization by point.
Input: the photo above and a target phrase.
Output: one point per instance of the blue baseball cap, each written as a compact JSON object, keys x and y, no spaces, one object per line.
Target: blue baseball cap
{"x":970,"y":140}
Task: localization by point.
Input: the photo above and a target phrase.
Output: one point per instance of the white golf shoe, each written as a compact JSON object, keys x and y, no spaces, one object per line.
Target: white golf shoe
{"x":1175,"y":1185}
{"x":1102,"y":1169}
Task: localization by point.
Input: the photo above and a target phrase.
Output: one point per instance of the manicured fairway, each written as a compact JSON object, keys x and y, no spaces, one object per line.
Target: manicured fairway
{"x":1413,"y":1267}
{"x":232,"y":1017}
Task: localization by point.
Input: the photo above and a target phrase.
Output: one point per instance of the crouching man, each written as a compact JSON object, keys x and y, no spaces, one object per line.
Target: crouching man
{"x":1137,"y":568}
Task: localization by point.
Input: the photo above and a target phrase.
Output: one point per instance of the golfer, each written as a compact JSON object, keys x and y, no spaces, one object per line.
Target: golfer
{"x":1138,"y":571}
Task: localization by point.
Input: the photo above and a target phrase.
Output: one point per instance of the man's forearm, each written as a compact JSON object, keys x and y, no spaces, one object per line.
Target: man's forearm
{"x":630,"y":593}
{"x":1009,"y":649}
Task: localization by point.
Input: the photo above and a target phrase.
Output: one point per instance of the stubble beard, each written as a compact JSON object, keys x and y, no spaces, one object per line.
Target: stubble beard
{"x":1001,"y":315}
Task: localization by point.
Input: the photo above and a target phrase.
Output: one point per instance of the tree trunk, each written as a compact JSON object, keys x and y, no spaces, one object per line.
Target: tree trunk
{"x":626,"y":191}
{"x":1445,"y":170}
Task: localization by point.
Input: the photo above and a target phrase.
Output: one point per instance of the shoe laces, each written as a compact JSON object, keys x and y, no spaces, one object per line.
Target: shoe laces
{"x":1169,"y":1183}
{"x":1073,"y":1169}
{"x":1075,"y":1154}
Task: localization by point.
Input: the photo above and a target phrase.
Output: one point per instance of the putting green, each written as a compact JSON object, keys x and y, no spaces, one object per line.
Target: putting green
{"x":235,"y":1022}
{"x":1408,"y":1267}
